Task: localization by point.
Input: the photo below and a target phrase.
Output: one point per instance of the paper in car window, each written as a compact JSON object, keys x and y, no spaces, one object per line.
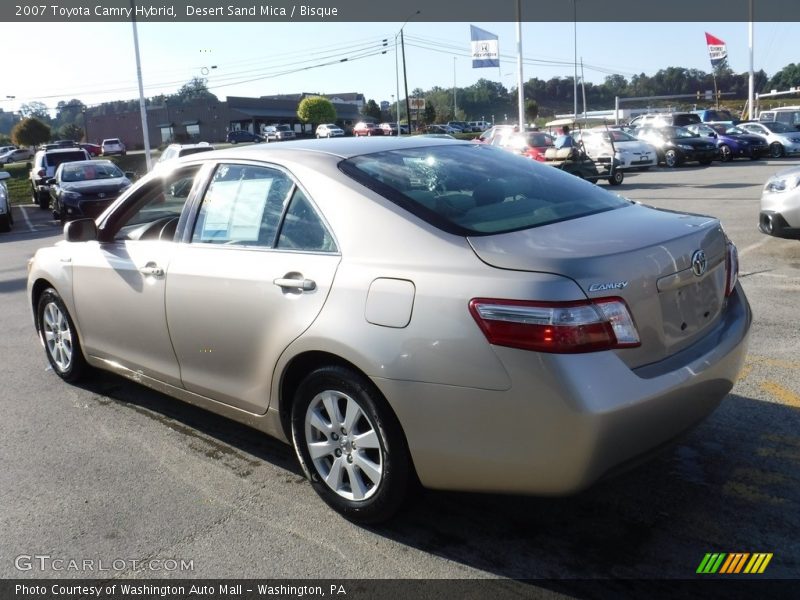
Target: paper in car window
{"x":234,"y":210}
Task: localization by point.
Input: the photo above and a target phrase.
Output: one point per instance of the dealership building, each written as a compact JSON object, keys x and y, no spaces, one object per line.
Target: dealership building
{"x":211,"y":120}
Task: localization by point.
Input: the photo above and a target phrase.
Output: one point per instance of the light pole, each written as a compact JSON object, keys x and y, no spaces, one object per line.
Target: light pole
{"x":575,"y":58}
{"x":455,"y":104}
{"x":405,"y":75}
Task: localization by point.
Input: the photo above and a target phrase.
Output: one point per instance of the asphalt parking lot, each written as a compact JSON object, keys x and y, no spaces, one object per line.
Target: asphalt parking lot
{"x":110,"y":470}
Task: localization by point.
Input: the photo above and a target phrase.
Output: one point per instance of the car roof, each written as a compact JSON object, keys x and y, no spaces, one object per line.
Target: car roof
{"x":63,"y":150}
{"x":340,"y":147}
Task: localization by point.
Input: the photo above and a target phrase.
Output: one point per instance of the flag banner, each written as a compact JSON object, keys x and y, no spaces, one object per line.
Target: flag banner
{"x":485,"y":48}
{"x":717,"y":51}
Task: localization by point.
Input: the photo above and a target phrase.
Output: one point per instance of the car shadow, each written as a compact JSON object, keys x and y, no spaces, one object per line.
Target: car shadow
{"x":730,"y":485}
{"x":216,"y":437}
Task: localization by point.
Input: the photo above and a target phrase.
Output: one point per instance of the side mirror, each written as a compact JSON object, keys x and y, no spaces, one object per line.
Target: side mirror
{"x":81,"y":230}
{"x":50,"y":180}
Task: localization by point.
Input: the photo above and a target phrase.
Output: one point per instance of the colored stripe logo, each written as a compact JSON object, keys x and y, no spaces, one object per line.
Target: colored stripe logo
{"x":734,"y":563}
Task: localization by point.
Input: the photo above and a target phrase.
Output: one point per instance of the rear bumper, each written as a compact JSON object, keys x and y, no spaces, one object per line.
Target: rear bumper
{"x":567,"y":419}
{"x":700,"y":155}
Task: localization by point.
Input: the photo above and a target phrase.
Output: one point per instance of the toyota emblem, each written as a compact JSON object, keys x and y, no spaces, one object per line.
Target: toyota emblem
{"x":699,"y":263}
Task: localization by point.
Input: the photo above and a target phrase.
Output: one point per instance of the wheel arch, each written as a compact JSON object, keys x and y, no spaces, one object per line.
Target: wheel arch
{"x":306,"y":362}
{"x":39,"y":286}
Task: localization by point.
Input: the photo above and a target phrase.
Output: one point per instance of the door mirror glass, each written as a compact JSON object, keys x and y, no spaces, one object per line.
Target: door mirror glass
{"x":81,"y":230}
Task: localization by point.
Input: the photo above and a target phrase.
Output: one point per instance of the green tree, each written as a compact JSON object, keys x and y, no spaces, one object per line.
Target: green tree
{"x":69,"y":112}
{"x":30,"y":132}
{"x":70,"y":131}
{"x":316,"y":110}
{"x":194,"y":89}
{"x":35,"y":109}
{"x":371,"y":109}
{"x":788,"y":76}
{"x":531,"y":110}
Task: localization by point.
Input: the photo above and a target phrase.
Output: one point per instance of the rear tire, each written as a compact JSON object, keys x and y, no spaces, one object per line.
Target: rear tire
{"x":59,"y":337}
{"x":5,"y":222}
{"x":617,"y":177}
{"x":775,"y":150}
{"x":360,"y":464}
{"x":44,"y":201}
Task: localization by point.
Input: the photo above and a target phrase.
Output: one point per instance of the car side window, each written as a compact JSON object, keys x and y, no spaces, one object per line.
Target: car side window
{"x":154,"y":210}
{"x":303,"y":229}
{"x":242,"y":205}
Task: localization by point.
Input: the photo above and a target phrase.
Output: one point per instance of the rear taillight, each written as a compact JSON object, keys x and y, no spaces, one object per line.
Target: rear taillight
{"x":731,"y":268}
{"x":559,"y":327}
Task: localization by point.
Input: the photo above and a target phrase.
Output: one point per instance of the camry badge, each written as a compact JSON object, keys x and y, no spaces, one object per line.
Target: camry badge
{"x":101,"y":195}
{"x":613,"y":285}
{"x":699,"y":263}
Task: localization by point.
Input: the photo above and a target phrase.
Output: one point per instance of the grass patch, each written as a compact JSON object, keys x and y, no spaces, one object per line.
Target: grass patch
{"x":19,"y":185}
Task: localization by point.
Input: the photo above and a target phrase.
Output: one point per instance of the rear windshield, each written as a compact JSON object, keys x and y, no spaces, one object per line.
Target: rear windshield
{"x":188,"y":151}
{"x":475,"y":189}
{"x":56,"y":158}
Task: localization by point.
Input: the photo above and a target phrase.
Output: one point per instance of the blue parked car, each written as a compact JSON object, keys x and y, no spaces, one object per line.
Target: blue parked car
{"x":716,"y":115}
{"x":732,"y":142}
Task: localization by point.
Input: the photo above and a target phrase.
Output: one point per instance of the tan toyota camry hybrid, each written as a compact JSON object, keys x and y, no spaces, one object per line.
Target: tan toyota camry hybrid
{"x":404,"y":310}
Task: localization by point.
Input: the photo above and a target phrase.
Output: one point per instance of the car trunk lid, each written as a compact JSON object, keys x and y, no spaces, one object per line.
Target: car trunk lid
{"x":643,"y":255}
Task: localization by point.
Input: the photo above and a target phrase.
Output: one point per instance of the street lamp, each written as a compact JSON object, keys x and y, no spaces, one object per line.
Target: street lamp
{"x":405,"y":75}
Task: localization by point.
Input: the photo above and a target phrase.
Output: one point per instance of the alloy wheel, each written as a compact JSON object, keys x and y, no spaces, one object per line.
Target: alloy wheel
{"x":344,"y":446}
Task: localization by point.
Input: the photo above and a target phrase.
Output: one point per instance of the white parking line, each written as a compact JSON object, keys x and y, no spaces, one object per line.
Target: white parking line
{"x":27,"y":220}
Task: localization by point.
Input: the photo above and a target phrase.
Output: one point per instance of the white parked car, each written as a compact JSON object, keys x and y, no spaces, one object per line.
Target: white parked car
{"x":329,"y":130}
{"x":112,"y":146}
{"x":780,"y":205}
{"x":629,"y":151}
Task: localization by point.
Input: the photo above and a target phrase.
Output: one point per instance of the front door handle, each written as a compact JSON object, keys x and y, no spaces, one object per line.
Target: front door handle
{"x":305,"y":285}
{"x":151,"y":269}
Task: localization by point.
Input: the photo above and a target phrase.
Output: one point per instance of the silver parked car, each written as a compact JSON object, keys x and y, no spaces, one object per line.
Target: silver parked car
{"x":783,"y":140}
{"x":780,"y":205}
{"x":403,"y":309}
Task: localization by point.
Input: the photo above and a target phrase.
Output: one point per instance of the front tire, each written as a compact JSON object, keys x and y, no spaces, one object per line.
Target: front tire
{"x":350,"y":445}
{"x":617,"y":177}
{"x":775,"y":150}
{"x":671,"y":159}
{"x":59,"y":337}
{"x":725,"y":153}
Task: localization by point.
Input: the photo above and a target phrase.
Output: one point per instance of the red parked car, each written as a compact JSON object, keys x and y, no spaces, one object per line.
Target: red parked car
{"x":532,"y":144}
{"x":93,"y":149}
{"x":364,"y":128}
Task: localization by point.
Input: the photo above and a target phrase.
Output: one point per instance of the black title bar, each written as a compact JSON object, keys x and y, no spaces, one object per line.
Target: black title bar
{"x":198,"y":11}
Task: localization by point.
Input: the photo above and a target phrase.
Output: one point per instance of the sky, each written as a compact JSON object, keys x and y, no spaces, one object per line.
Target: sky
{"x":95,"y":62}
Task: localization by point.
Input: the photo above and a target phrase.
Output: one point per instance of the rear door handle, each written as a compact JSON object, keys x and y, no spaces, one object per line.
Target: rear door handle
{"x":305,"y":285}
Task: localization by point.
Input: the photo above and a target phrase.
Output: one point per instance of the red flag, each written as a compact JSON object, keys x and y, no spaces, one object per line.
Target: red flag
{"x":717,"y":51}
